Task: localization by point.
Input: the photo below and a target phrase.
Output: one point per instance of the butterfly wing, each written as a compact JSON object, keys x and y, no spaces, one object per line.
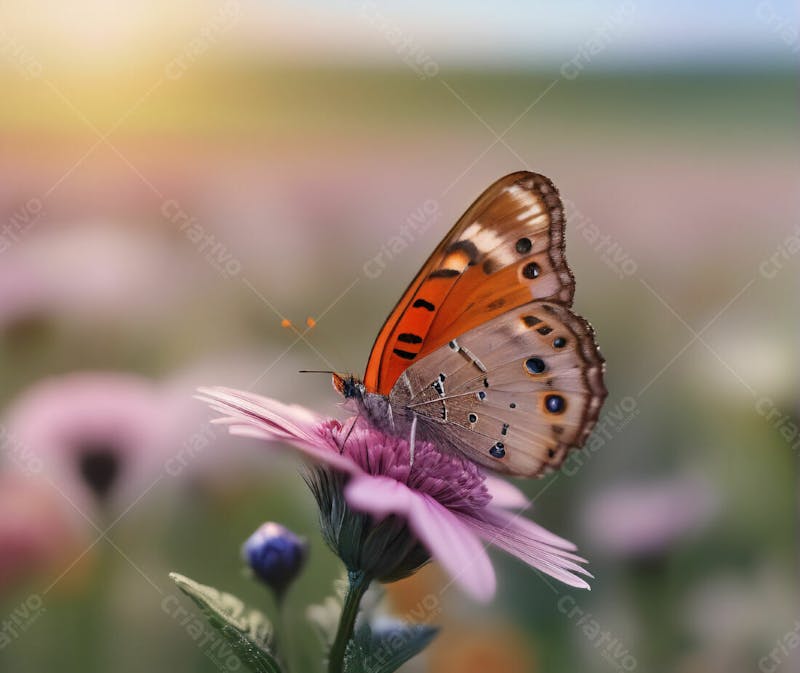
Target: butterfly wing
{"x":512,"y":394}
{"x":507,"y":249}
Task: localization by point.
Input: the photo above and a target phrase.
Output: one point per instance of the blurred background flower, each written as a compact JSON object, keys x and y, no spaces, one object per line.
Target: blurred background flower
{"x":36,"y":534}
{"x":99,"y":436}
{"x":185,"y":184}
{"x":644,"y":519}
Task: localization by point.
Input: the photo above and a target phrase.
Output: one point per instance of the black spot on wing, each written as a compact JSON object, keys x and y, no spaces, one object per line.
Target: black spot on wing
{"x":523,"y":246}
{"x":490,"y":265}
{"x":554,"y":404}
{"x":444,"y":273}
{"x":408,"y":338}
{"x":531,"y":270}
{"x":498,"y":450}
{"x":421,"y":303}
{"x":406,"y":355}
{"x":535,"y":365}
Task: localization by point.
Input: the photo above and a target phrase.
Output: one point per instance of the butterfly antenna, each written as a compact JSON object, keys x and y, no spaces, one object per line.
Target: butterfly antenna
{"x":315,"y":371}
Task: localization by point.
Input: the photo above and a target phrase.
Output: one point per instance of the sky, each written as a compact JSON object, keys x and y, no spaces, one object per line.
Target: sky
{"x":619,"y":33}
{"x":519,"y":32}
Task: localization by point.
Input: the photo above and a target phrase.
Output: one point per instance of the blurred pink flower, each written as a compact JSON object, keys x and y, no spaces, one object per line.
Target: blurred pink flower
{"x":35,"y":532}
{"x":449,"y":504}
{"x":99,"y":437}
{"x":23,"y":294}
{"x":130,"y":275}
{"x":643,"y":519}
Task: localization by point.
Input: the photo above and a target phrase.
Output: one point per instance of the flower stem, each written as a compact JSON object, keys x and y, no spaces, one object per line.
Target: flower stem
{"x":278,"y":630}
{"x":358,"y":585}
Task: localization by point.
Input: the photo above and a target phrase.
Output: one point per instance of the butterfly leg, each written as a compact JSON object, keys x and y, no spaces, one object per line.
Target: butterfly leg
{"x":412,"y":440}
{"x":349,"y":432}
{"x":391,"y":416}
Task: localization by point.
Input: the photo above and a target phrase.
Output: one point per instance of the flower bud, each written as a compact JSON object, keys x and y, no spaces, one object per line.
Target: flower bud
{"x":276,"y":556}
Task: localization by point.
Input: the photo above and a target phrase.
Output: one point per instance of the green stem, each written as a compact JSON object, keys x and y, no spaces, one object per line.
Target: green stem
{"x":278,"y":629}
{"x":281,"y":629}
{"x":359,"y":583}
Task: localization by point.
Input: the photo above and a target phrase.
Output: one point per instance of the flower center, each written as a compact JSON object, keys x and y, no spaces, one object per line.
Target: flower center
{"x":99,"y":465}
{"x":455,"y":482}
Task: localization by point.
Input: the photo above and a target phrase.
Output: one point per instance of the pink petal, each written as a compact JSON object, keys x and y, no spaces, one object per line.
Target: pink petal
{"x":530,"y":529}
{"x":531,"y":543}
{"x":263,"y":418}
{"x":506,"y":495}
{"x":294,"y":419}
{"x":446,"y":537}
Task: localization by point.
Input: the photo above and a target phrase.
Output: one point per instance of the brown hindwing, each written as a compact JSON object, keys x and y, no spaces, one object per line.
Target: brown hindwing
{"x":513,"y":394}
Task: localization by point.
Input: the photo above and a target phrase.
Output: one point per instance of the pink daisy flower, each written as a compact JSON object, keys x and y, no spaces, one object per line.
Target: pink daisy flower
{"x":386,"y":518}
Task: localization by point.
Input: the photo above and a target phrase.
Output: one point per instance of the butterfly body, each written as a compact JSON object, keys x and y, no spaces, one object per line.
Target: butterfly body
{"x":378,"y":410}
{"x":393,"y":414}
{"x":483,"y":355}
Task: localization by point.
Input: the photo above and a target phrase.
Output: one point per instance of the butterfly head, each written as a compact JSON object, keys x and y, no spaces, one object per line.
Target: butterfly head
{"x":349,"y":386}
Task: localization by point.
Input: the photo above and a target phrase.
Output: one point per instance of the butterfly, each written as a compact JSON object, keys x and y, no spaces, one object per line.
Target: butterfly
{"x":482,"y":354}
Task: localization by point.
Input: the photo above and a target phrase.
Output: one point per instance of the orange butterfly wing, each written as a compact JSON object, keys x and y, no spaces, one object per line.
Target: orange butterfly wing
{"x":507,"y":249}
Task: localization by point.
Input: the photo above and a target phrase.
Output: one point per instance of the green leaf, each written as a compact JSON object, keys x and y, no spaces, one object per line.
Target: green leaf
{"x":386,"y":648}
{"x":248,"y":631}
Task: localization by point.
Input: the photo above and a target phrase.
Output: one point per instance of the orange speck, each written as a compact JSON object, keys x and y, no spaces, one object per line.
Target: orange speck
{"x":411,"y":593}
{"x":286,"y":323}
{"x":475,"y":649}
{"x":310,"y":321}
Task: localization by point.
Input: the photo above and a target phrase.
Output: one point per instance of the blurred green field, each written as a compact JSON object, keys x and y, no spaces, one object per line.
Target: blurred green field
{"x":259,"y":103}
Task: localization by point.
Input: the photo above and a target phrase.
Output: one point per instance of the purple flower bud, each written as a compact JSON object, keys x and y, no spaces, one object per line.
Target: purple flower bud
{"x":276,"y":555}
